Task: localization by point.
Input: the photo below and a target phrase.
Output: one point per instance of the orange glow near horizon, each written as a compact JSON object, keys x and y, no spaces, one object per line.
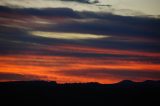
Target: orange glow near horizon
{"x":50,"y":67}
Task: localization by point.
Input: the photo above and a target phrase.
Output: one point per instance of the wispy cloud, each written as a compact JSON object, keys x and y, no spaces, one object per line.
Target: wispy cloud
{"x":70,"y":36}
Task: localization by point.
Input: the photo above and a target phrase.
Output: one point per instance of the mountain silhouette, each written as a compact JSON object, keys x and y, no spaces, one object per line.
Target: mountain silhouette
{"x":43,"y":93}
{"x":126,"y":82}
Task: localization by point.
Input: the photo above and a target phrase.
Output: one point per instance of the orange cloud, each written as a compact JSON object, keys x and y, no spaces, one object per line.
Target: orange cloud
{"x":108,"y":51}
{"x":46,"y":67}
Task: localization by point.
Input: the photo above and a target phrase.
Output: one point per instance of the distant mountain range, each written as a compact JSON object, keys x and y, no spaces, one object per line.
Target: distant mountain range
{"x":42,"y":93}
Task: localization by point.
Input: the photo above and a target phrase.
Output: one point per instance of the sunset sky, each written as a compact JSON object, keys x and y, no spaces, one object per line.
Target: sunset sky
{"x":68,"y":41}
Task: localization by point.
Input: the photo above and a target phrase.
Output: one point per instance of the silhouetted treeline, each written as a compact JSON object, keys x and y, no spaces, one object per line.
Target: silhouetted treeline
{"x":41,"y":93}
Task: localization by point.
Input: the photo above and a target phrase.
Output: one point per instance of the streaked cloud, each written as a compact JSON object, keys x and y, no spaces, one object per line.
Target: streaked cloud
{"x":71,"y":36}
{"x":78,"y":69}
{"x":112,"y":74}
{"x":4,"y":76}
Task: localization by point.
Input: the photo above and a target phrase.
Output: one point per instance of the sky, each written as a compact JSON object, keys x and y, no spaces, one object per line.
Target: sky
{"x":70,"y":41}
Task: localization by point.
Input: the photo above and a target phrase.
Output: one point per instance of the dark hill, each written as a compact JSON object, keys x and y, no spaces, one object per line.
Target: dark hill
{"x":41,"y":93}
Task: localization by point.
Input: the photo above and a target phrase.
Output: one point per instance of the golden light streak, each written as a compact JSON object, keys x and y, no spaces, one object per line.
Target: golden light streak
{"x":69,"y":36}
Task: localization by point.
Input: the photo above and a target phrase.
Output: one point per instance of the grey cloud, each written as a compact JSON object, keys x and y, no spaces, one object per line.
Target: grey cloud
{"x":60,"y":12}
{"x":17,"y":77}
{"x":125,"y":74}
{"x":83,"y":1}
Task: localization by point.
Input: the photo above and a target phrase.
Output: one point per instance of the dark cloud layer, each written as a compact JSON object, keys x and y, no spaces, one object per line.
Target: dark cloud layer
{"x":104,"y":24}
{"x":17,"y":77}
{"x":83,"y":1}
{"x":131,"y":74}
{"x":60,"y":12}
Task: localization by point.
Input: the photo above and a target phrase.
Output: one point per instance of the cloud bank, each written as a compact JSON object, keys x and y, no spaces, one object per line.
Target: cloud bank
{"x":119,"y":7}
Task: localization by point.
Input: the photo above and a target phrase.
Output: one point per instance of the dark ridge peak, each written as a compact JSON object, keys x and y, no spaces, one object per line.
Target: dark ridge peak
{"x":132,"y":82}
{"x":126,"y":82}
{"x":129,"y":83}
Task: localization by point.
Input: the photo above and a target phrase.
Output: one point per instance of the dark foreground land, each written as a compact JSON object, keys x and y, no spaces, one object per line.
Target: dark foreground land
{"x":41,"y":93}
